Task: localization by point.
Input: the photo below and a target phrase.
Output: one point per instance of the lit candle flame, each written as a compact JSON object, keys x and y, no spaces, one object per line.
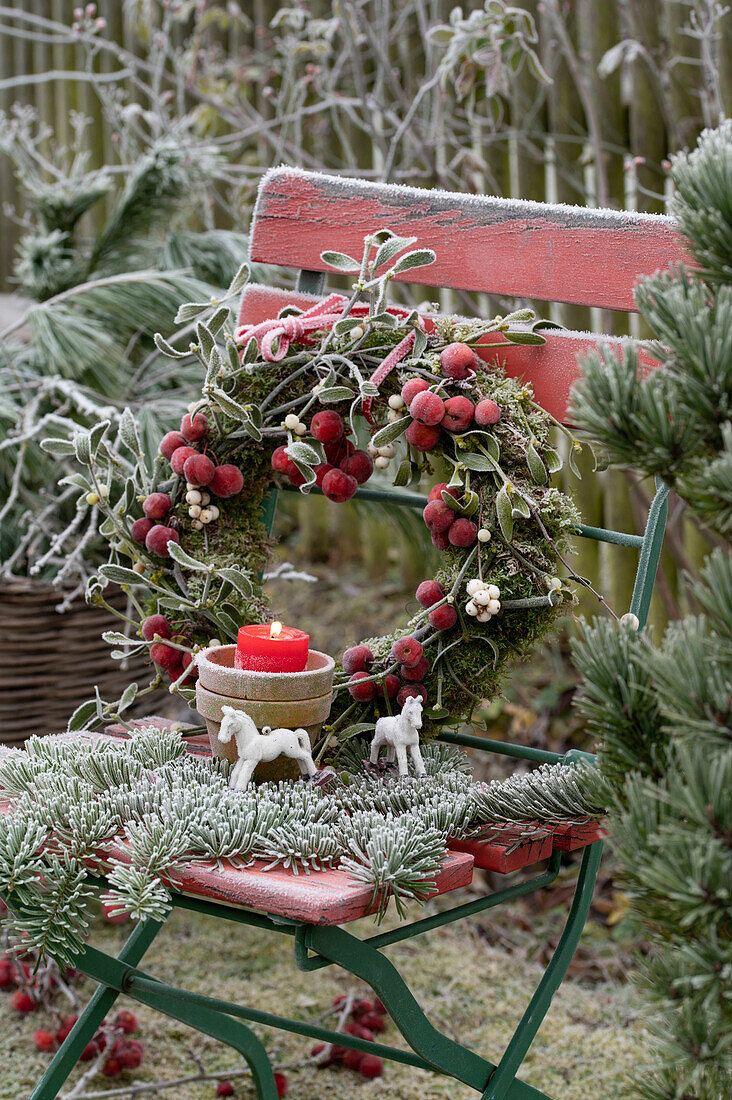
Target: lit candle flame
{"x":275,"y":630}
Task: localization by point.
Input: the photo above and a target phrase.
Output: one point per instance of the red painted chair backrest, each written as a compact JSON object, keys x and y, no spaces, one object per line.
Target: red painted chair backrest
{"x":497,"y":246}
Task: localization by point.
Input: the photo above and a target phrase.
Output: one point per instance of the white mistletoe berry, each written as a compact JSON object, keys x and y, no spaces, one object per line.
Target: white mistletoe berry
{"x":392,"y":416}
{"x":631,"y":620}
{"x":396,"y":401}
{"x":214,"y":641}
{"x":471,"y":608}
{"x":195,"y":511}
{"x":373,"y":451}
{"x":388,"y":451}
{"x":474,"y":586}
{"x":301,"y":429}
{"x":190,"y":485}
{"x":205,"y":498}
{"x":92,"y":498}
{"x":484,"y":535}
{"x":356,"y":332}
{"x":139,"y":567}
{"x":482,"y":598}
{"x":193,"y":497}
{"x":205,"y":515}
{"x":291,"y":421}
{"x":494,"y":607}
{"x":484,"y":616}
{"x":381,"y":463}
{"x":553,"y":584}
{"x":214,"y":512}
{"x":197,"y":525}
{"x":494,"y":591}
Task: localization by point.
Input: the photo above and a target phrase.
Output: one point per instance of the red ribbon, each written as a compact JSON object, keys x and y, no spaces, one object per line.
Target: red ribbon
{"x":323,"y":315}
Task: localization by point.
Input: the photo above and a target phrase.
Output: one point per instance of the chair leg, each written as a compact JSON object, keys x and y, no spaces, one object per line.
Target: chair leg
{"x":502,"y":1084}
{"x":97,"y":1008}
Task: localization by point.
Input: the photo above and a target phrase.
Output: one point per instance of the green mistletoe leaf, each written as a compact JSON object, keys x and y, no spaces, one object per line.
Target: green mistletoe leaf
{"x":183,"y":558}
{"x":537,"y":469}
{"x":391,"y":432}
{"x":341,"y":262}
{"x":504,"y":511}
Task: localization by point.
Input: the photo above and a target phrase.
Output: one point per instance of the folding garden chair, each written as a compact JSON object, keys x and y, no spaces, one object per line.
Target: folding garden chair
{"x":517,"y":249}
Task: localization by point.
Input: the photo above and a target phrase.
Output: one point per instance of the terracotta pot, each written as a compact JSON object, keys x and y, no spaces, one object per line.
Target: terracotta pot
{"x":289,"y":699}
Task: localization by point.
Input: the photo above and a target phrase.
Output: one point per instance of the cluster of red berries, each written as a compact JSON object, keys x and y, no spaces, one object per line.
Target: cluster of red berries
{"x":365,"y":1019}
{"x":167,"y":657}
{"x":345,"y":469}
{"x":225,"y":1088}
{"x":431,"y":413}
{"x":448,"y":530}
{"x":153,"y":531}
{"x":124,"y":1053}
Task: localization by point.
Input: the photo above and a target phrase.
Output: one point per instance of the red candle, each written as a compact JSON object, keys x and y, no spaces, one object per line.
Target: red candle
{"x":271,"y":647}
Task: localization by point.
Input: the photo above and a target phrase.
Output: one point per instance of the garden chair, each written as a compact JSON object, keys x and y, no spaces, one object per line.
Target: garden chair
{"x":517,"y":249}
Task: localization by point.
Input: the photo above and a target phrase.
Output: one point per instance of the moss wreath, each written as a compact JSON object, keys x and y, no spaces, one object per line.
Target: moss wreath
{"x":323,"y":399}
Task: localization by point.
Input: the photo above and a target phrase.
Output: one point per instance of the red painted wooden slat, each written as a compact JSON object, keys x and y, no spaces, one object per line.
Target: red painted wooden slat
{"x":507,"y":849}
{"x":501,"y":246}
{"x":551,"y":368}
{"x":569,"y":838}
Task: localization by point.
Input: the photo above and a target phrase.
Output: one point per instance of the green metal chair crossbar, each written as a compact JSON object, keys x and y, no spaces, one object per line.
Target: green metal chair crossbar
{"x":298,"y":215}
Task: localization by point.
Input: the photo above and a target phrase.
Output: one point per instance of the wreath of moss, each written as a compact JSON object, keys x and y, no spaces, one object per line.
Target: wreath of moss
{"x":209,"y":585}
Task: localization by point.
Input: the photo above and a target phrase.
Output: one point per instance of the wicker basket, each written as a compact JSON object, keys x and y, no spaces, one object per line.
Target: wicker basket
{"x":51,"y":661}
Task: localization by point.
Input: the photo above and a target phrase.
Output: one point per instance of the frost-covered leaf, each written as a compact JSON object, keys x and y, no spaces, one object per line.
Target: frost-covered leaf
{"x":391,"y":432}
{"x":183,"y":558}
{"x":119,"y":575}
{"x":333,"y":394}
{"x":167,"y":349}
{"x":504,"y":511}
{"x":59,"y":448}
{"x":240,"y":280}
{"x":341,"y":262}
{"x":205,"y":339}
{"x":537,"y":469}
{"x":421,"y":257}
{"x":302,"y":453}
{"x":228,"y":404}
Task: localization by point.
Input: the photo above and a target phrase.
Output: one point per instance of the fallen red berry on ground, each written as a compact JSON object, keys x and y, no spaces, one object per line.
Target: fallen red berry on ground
{"x":127,"y":1021}
{"x":156,"y":624}
{"x":327,"y":426}
{"x":23,"y":1002}
{"x":130,"y":1054}
{"x":443,"y":617}
{"x":227,"y":481}
{"x":281,"y":1083}
{"x":371,"y":1066}
{"x":170,"y":443}
{"x":140,"y":529}
{"x":339,"y":486}
{"x":65,"y":1028}
{"x":224,"y":1088}
{"x":373,"y":1021}
{"x":407,"y":651}
{"x":90,"y":1051}
{"x":353,"y":1058}
{"x":362,"y":692}
{"x":358,"y":658}
{"x":8,"y":974}
{"x":487,"y":413}
{"x":44,"y":1040}
{"x":180,"y":457}
{"x":457,"y":360}
{"x":111,"y":1068}
{"x":158,"y":538}
{"x":428,"y":408}
{"x":194,"y":429}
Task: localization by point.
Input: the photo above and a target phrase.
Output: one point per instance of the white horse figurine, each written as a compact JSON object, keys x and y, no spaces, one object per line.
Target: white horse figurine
{"x":401,"y":733}
{"x":254,"y":747}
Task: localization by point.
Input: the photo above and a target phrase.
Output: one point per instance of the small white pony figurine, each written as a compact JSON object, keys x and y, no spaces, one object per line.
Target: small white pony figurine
{"x":254,"y":747}
{"x":401,"y":733}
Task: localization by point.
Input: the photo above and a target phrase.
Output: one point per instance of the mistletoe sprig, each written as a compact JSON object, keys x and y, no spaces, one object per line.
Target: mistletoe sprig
{"x":323,"y":399}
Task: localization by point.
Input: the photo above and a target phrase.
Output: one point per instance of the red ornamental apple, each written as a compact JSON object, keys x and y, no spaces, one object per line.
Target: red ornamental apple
{"x":422,"y":437}
{"x":407,"y":651}
{"x":371,"y":1066}
{"x":358,"y":658}
{"x":417,"y":672}
{"x":320,"y":472}
{"x":411,"y":388}
{"x":411,"y":691}
{"x":164,"y":656}
{"x":156,"y":624}
{"x":487,"y":414}
{"x":280,"y":460}
{"x":389,"y":685}
{"x":463,"y":533}
{"x":429,"y":592}
{"x":339,"y":449}
{"x":459,"y":412}
{"x":199,"y":470}
{"x":339,"y":486}
{"x":327,"y":426}
{"x":440,"y":540}
{"x":194,"y":429}
{"x":359,"y":691}
{"x":295,"y":477}
{"x":140,"y":530}
{"x":458,"y":360}
{"x":438,"y":516}
{"x":180,"y":457}
{"x":443,"y":617}
{"x":358,"y":465}
{"x":170,"y":443}
{"x":435,"y":492}
{"x":44,"y":1040}
{"x":428,"y":408}
{"x":158,"y":538}
{"x":227,"y":481}
{"x":23,"y":1002}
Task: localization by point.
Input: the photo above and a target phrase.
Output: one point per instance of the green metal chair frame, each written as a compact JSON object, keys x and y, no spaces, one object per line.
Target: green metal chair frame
{"x":317,"y":946}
